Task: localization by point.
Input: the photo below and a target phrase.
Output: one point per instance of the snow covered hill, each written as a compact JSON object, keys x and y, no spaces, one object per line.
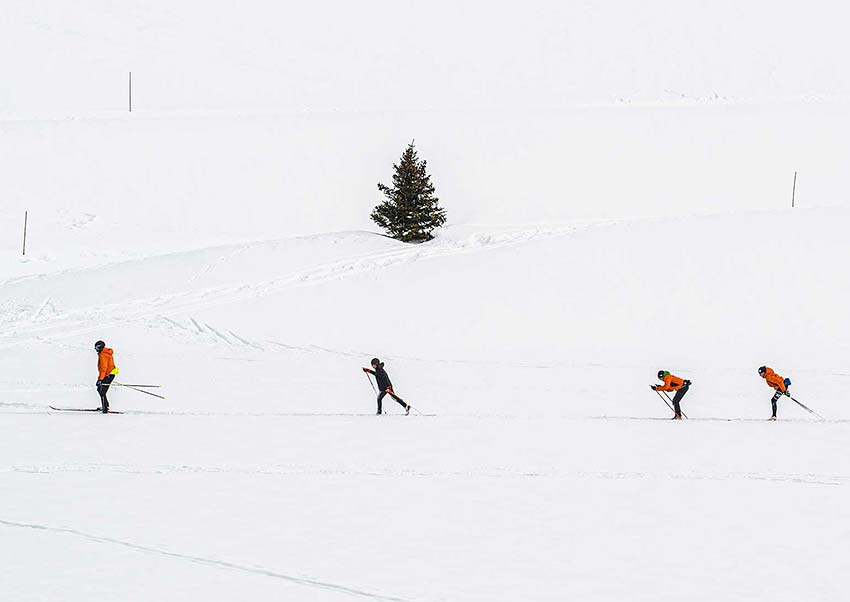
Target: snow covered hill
{"x":100,"y":189}
{"x":601,"y":227}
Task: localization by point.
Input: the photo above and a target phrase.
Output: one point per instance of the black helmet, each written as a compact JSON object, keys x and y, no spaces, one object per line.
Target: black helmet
{"x":375,"y":361}
{"x":762,"y":369}
{"x":99,"y":345}
{"x":662,"y":374}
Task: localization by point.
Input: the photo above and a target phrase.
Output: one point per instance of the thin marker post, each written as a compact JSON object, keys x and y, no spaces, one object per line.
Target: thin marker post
{"x":794,"y":190}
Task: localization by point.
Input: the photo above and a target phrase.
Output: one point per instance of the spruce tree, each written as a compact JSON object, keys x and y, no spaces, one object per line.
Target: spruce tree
{"x":410,"y":212}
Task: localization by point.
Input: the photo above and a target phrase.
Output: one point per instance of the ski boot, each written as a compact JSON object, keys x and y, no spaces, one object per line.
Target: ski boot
{"x":407,"y":410}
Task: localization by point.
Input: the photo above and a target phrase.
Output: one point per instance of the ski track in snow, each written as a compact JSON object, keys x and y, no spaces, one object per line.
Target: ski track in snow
{"x":44,"y":409}
{"x":485,"y":473}
{"x":80,"y":321}
{"x":303,"y":581}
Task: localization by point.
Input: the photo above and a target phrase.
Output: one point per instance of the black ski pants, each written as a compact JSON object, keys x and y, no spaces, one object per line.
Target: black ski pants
{"x":678,"y":398}
{"x":102,"y":388}
{"x":384,"y":393}
{"x":773,"y":401}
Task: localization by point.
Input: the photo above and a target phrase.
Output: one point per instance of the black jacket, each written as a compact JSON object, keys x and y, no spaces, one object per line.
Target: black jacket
{"x":382,"y":377}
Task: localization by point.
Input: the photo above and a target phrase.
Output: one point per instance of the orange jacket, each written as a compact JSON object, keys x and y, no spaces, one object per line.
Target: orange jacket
{"x":671,"y":383}
{"x":774,"y":381}
{"x":105,"y":363}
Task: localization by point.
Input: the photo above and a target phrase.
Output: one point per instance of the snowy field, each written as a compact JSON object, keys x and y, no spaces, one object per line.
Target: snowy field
{"x":223,"y":249}
{"x":542,"y":468}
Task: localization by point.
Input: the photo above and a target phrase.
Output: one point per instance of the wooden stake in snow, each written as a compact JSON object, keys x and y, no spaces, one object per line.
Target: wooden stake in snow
{"x":794,"y":190}
{"x":24,"y":251}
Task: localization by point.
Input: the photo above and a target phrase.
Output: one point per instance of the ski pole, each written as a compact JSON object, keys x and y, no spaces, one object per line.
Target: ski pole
{"x":664,"y":399}
{"x":139,"y":386}
{"x":140,"y":390}
{"x":671,"y":401}
{"x":374,"y":388}
{"x":807,"y":409}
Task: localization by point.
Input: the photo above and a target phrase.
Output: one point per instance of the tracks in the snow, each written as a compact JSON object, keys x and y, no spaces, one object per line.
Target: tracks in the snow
{"x":83,"y":320}
{"x":296,"y":580}
{"x":398,"y":472}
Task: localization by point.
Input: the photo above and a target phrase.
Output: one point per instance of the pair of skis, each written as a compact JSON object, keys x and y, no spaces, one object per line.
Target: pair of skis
{"x":83,"y":410}
{"x":139,"y":388}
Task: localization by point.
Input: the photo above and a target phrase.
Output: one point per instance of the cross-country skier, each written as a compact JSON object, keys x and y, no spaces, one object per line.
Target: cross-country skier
{"x":106,"y":372}
{"x":776,"y":382}
{"x":385,"y":387}
{"x":673,"y":383}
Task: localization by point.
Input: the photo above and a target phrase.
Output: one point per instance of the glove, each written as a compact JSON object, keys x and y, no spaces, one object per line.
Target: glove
{"x":653,"y":387}
{"x":787,"y":393}
{"x":98,"y":383}
{"x":366,"y":370}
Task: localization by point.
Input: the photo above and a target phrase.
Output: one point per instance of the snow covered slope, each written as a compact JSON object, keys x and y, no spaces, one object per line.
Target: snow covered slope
{"x":109,"y":189}
{"x":542,"y":464}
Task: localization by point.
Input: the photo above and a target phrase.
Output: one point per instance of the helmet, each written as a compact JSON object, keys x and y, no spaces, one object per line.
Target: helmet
{"x":762,"y":369}
{"x":98,"y":346}
{"x":662,"y":374}
{"x":375,"y":361}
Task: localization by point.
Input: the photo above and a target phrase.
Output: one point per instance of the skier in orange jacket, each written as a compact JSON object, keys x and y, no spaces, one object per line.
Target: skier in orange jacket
{"x":673,"y":383}
{"x":776,"y":382}
{"x":106,"y":372}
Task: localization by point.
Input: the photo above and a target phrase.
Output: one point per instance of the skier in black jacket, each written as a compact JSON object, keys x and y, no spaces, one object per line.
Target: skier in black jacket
{"x":385,"y":387}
